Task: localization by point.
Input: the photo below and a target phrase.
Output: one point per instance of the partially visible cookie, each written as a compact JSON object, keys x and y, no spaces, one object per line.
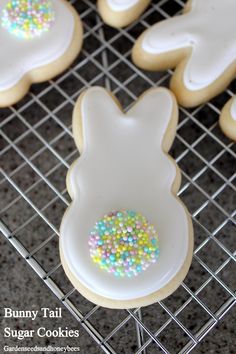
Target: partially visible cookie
{"x":201,"y":44}
{"x":228,"y":119}
{"x":39,"y":39}
{"x":120,"y":13}
{"x":126,"y":240}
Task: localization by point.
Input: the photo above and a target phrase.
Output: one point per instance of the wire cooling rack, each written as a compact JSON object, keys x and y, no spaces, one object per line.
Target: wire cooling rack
{"x":37,"y":150}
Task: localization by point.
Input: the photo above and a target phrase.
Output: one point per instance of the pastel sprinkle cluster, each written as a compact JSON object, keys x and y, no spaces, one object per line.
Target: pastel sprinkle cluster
{"x":28,"y":18}
{"x":124,"y":243}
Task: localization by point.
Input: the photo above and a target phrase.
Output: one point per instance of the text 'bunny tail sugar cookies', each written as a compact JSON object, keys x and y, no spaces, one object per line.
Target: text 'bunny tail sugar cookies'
{"x":126,"y":240}
{"x":199,"y":44}
{"x":39,"y":40}
{"x":121,"y":13}
{"x":228,"y":119}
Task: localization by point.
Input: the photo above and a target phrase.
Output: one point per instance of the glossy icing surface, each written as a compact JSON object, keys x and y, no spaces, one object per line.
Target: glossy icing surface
{"x":19,"y":56}
{"x":121,"y":5}
{"x":123,"y":167}
{"x":233,"y":109}
{"x":209,"y":30}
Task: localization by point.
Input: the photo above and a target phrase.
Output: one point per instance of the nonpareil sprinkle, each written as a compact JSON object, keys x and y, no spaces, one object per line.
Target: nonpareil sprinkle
{"x":28,"y":18}
{"x":124,"y":243}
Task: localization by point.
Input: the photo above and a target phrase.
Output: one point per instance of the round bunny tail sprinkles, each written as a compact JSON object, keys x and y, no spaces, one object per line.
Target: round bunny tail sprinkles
{"x":124,"y":243}
{"x":28,"y":18}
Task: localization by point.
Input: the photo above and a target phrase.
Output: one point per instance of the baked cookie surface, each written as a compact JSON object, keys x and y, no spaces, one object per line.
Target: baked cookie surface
{"x":228,"y":119}
{"x":126,"y":240}
{"x":121,"y":13}
{"x":39,"y":39}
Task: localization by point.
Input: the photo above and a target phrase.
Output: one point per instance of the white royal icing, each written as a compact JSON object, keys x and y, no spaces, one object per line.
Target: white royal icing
{"x":123,"y":167}
{"x":233,"y":109}
{"x":209,"y":28}
{"x":19,"y":56}
{"x":122,"y":5}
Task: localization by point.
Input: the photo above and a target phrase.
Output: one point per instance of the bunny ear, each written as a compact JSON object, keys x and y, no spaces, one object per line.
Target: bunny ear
{"x":157,"y":111}
{"x":93,"y":112}
{"x":164,"y":44}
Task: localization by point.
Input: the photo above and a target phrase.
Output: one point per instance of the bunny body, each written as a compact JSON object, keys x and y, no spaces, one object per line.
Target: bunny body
{"x":24,"y":61}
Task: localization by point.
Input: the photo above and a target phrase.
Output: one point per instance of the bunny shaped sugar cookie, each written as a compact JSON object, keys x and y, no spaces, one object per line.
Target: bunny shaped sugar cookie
{"x":120,"y":13}
{"x":126,"y":240}
{"x":200,"y":44}
{"x":39,"y":39}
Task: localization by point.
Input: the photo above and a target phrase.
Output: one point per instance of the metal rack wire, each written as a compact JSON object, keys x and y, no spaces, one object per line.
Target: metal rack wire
{"x":39,"y":149}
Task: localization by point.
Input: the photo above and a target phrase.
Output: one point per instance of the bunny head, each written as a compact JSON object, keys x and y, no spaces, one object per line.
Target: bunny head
{"x":124,"y":175}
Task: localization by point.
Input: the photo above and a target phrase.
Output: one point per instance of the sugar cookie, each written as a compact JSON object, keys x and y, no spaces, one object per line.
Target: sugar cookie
{"x":201,"y":45}
{"x":126,"y":240}
{"x":120,"y":13}
{"x":228,"y":119}
{"x":39,"y":39}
